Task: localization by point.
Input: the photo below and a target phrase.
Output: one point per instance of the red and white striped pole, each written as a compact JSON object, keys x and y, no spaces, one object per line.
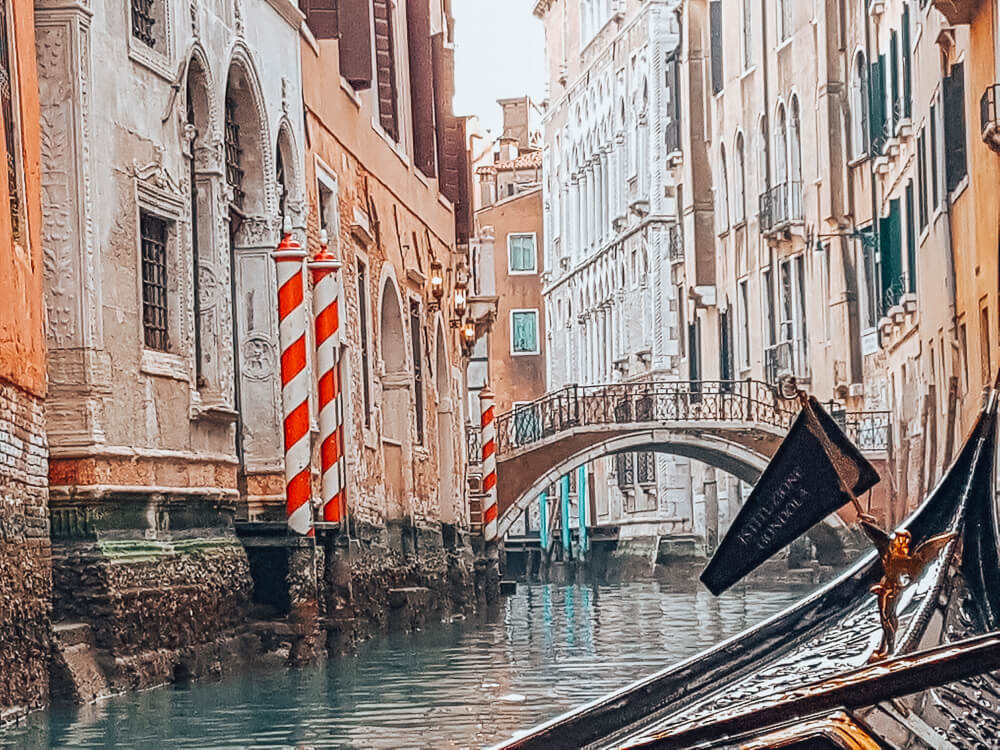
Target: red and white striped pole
{"x":489,"y":440}
{"x":326,"y":308}
{"x":294,"y":382}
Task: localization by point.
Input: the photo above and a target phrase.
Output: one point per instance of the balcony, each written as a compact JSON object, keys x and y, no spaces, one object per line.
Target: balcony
{"x":989,"y":117}
{"x":780,"y":207}
{"x":958,"y":12}
{"x":778,"y":361}
{"x":675,"y":243}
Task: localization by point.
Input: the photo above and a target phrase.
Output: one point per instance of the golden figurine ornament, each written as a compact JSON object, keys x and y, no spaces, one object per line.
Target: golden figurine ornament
{"x":900,"y":567}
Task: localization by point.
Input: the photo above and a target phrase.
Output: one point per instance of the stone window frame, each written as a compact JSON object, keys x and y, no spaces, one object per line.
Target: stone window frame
{"x":160,"y":61}
{"x":156,"y":196}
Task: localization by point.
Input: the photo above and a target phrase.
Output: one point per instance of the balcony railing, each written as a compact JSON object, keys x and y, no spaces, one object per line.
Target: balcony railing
{"x":675,"y":241}
{"x":869,"y":430}
{"x":781,"y":206}
{"x":779,"y":360}
{"x":989,"y":116}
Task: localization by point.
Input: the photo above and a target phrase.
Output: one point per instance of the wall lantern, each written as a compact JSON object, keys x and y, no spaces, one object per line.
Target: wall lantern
{"x":460,"y":301}
{"x":437,"y":284}
{"x":468,"y":336}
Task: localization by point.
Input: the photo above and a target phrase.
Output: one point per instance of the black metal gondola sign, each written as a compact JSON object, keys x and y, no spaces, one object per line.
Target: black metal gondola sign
{"x":815,"y":471}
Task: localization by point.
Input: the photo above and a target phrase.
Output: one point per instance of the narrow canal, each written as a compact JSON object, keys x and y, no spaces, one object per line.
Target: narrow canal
{"x":547,"y":648}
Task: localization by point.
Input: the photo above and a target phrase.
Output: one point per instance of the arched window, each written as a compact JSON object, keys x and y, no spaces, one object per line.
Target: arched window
{"x":740,"y":177}
{"x":859,"y":106}
{"x":723,"y":191}
{"x":781,"y":148}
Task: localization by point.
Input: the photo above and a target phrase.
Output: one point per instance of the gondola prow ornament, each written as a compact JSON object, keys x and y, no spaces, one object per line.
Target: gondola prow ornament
{"x":900,"y":567}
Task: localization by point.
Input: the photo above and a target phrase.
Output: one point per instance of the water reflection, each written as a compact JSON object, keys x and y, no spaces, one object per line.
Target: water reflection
{"x":548,"y":648}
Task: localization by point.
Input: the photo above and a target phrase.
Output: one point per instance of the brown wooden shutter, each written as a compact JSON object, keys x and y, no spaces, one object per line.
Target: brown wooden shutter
{"x":354,"y":27}
{"x":418,"y":28}
{"x":385,"y":68}
{"x":321,"y":15}
{"x":444,"y":88}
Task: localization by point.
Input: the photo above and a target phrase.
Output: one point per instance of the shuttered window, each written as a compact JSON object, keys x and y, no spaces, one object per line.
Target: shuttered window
{"x":322,"y":17}
{"x":522,"y":253}
{"x":385,"y":68}
{"x":418,"y":32}
{"x":894,"y":79}
{"x":350,"y":22}
{"x":524,"y":332}
{"x":954,"y":126}
{"x":922,"y":178}
{"x":935,"y":184}
{"x":715,"y":25}
{"x":911,"y":241}
{"x":876,"y":108}
{"x":891,"y":257}
{"x":907,"y":65}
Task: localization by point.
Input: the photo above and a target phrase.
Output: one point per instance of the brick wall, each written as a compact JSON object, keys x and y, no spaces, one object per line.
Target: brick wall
{"x":25,"y":557}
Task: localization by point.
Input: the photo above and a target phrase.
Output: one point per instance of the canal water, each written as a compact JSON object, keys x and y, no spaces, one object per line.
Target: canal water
{"x":465,"y":684}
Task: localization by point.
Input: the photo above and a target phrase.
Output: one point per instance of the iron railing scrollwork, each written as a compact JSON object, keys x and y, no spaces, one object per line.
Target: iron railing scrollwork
{"x":743,"y":401}
{"x":781,"y":205}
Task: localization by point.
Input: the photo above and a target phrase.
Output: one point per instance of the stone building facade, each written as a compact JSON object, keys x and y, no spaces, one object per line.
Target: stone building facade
{"x":610,"y":214}
{"x":832,"y":169}
{"x":25,"y":564}
{"x":172,"y":152}
{"x":383,"y":186}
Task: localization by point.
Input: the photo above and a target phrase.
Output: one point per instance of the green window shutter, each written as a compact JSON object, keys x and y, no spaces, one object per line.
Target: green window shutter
{"x":876,"y":106}
{"x":891,"y":260}
{"x":525,"y":333}
{"x":907,"y":65}
{"x":522,"y":253}
{"x":894,"y":79}
{"x":953,"y":90}
{"x":911,"y":241}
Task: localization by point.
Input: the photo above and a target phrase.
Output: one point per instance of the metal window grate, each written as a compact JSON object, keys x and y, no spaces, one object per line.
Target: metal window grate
{"x":153,"y":232}
{"x":234,"y":155}
{"x":143,"y":21}
{"x":11,"y":136}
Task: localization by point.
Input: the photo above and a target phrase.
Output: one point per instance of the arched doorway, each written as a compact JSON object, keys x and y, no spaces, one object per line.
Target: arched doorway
{"x":446,"y":431}
{"x":396,"y":400}
{"x":253,"y":234}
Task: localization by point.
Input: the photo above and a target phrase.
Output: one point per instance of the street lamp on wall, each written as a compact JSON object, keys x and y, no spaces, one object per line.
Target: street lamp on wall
{"x":437,"y":285}
{"x":468,"y":332}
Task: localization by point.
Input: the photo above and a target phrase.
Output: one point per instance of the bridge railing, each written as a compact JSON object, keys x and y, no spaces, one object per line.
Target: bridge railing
{"x":746,"y":401}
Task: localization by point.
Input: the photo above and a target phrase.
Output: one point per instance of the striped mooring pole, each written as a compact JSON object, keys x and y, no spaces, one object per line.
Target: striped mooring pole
{"x":326,"y":309}
{"x":295,"y":384}
{"x":489,"y":440}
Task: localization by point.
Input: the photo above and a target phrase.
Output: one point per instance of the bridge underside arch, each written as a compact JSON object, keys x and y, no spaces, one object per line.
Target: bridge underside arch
{"x":520,"y":481}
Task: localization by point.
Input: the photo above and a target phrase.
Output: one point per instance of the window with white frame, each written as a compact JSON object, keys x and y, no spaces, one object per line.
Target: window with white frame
{"x":859,"y":107}
{"x":524,"y":332}
{"x":522,"y":253}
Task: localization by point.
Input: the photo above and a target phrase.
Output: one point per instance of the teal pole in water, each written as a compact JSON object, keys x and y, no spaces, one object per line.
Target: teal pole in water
{"x":581,"y":496}
{"x":564,"y":493}
{"x":543,"y":520}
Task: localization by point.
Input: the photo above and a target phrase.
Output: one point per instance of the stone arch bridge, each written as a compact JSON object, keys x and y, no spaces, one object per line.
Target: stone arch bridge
{"x":735,"y":426}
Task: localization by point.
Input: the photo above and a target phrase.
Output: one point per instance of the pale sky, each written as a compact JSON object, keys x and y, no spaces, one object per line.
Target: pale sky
{"x":499,"y":53}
